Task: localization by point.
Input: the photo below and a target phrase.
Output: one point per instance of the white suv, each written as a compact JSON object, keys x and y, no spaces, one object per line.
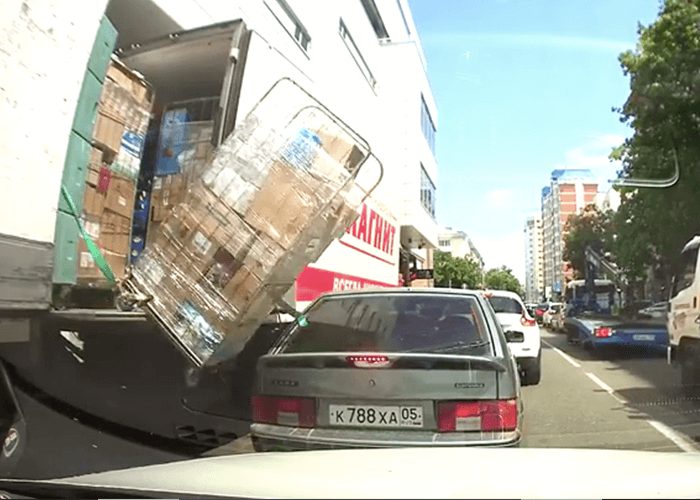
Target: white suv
{"x":513,"y":316}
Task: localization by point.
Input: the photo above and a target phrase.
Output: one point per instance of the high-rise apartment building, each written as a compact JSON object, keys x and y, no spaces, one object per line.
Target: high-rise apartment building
{"x":534,"y":259}
{"x":569,"y":191}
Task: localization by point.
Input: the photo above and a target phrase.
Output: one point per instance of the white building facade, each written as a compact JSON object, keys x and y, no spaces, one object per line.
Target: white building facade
{"x":363,"y":59}
{"x":458,"y":244}
{"x":534,"y":259}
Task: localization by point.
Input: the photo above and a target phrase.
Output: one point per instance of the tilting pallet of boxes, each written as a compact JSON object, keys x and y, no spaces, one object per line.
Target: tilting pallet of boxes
{"x":118,"y":137}
{"x":270,"y":202}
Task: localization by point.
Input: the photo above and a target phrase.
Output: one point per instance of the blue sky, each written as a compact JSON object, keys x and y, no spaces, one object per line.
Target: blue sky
{"x":522,"y":87}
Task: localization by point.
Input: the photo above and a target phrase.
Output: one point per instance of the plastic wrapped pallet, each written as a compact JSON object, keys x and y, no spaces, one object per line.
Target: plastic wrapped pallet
{"x":277,"y":192}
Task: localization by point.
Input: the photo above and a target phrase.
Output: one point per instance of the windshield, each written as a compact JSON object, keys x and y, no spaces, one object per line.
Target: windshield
{"x":390,"y":323}
{"x":244,"y":226}
{"x":505,"y":305}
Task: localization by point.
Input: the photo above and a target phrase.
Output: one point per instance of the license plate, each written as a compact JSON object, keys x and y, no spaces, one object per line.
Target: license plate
{"x":643,"y":336}
{"x":375,"y":416}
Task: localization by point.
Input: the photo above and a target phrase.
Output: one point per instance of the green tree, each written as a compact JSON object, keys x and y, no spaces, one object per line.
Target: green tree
{"x":455,"y":271}
{"x":592,"y":227}
{"x":663,"y":110}
{"x":502,"y":278}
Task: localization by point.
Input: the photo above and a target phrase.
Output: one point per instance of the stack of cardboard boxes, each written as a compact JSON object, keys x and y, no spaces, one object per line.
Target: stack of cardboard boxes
{"x":264,"y":208}
{"x":192,"y":153}
{"x":118,"y":136}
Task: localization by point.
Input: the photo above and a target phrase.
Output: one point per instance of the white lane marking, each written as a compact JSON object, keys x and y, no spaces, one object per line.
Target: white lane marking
{"x":561,"y":353}
{"x":678,"y":439}
{"x":605,"y":387}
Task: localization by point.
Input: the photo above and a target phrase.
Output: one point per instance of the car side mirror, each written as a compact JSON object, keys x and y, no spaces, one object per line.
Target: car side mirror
{"x":513,"y":336}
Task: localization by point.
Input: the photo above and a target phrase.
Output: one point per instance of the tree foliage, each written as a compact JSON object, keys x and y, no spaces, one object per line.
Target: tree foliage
{"x":663,"y":110}
{"x":502,"y":278}
{"x":456,"y":271}
{"x":592,"y":227}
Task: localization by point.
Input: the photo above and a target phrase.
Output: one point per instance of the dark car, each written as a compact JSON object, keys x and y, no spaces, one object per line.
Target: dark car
{"x":389,"y":368}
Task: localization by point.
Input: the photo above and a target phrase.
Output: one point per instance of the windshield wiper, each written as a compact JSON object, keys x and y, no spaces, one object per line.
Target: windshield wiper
{"x":452,"y":347}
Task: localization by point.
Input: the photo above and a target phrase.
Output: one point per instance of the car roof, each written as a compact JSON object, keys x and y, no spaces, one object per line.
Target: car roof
{"x":503,"y":293}
{"x":404,"y":290}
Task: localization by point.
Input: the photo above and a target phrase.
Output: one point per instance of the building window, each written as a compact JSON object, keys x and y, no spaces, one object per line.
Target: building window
{"x":375,"y":19}
{"x":356,"y":54}
{"x":427,"y":192}
{"x":427,"y":124}
{"x":284,"y":14}
{"x":444,"y":243}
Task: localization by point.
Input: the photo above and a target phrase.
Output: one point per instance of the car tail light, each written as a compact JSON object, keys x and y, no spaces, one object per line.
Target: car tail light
{"x":368,"y":361}
{"x":603,"y":331}
{"x":525,"y":321}
{"x":294,"y":412}
{"x":460,"y":416}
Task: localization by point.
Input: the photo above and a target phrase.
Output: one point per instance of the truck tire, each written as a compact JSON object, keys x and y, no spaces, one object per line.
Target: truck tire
{"x":690,"y":369}
{"x":532,"y":370}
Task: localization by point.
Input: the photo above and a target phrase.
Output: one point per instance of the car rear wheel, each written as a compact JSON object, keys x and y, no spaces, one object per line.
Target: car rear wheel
{"x":532,"y":370}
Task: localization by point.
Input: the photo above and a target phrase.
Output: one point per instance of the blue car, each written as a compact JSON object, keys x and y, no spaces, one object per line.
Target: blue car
{"x":600,"y":333}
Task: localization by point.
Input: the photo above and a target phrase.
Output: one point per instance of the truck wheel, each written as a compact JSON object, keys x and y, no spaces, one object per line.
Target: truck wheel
{"x":690,"y":375}
{"x":532,"y":371}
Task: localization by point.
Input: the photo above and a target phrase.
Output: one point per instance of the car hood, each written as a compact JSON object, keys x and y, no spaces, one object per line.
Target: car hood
{"x":419,"y":473}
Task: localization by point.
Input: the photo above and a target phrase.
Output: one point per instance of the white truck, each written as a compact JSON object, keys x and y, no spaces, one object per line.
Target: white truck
{"x":227,"y":61}
{"x":54,"y":61}
{"x":683,"y":320}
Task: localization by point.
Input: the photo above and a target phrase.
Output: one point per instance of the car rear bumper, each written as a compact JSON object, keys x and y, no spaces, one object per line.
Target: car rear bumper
{"x":268,"y":437}
{"x":659,"y":342}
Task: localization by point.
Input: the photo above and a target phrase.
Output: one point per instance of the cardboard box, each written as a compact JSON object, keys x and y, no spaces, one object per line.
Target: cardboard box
{"x":87,"y":268}
{"x":115,"y":232}
{"x":242,"y":288}
{"x":348,"y":155}
{"x":120,"y":196}
{"x":283,"y":206}
{"x":93,"y":177}
{"x":130,"y":81}
{"x":94,"y":202}
{"x":95,"y":159}
{"x":108,"y":131}
{"x":113,"y":222}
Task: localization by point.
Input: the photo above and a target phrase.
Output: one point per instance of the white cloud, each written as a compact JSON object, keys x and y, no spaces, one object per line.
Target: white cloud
{"x":506,"y":249}
{"x":593,"y":154}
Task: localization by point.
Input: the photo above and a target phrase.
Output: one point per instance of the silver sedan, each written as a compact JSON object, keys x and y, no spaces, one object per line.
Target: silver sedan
{"x":389,"y":368}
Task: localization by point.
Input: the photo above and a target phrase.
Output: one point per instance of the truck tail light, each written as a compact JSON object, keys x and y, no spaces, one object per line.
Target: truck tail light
{"x":293,"y":412}
{"x":485,"y":416}
{"x":603,"y":331}
{"x":525,"y":321}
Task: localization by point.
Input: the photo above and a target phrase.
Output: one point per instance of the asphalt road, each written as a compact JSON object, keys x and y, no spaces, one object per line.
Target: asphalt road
{"x":585,"y":400}
{"x":627,"y":400}
{"x":621,"y":400}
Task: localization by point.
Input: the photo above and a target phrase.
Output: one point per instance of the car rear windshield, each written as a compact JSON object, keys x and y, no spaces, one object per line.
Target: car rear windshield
{"x":421,"y":323}
{"x":505,"y":305}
